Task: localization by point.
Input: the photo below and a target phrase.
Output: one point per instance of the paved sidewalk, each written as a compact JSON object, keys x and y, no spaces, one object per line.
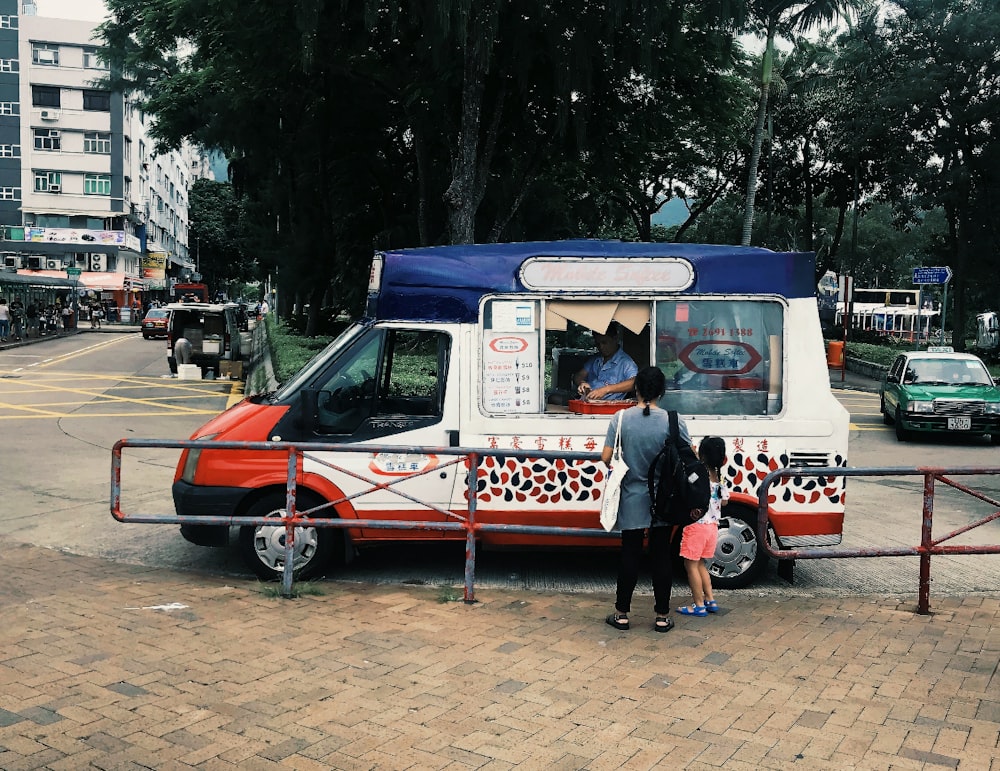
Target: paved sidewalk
{"x":114,"y":666}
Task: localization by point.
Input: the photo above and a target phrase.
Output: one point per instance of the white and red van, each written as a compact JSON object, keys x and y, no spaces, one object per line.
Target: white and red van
{"x":474,"y":346}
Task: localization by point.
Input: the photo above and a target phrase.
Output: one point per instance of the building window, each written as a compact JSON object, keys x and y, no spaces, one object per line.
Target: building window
{"x":48,"y":182}
{"x":10,"y":151}
{"x":92,"y":60}
{"x":47,"y":139}
{"x":97,"y":100}
{"x":8,"y":22}
{"x":45,"y":96}
{"x":97,"y":142}
{"x":128,"y":149}
{"x":10,"y":194}
{"x":97,"y":184}
{"x":10,"y":108}
{"x":45,"y":54}
{"x":9,"y":65}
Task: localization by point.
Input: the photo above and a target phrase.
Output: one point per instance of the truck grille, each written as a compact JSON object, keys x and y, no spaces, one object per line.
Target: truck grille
{"x":959,"y":407}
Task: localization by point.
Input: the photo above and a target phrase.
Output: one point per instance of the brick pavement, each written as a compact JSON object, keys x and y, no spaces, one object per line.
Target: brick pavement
{"x":99,"y":669}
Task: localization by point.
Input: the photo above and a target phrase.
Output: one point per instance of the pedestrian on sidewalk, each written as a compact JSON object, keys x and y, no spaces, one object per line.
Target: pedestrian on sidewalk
{"x":17,"y":318}
{"x":4,"y":320}
{"x":700,"y":538}
{"x":96,"y":314}
{"x":32,"y":315}
{"x":644,"y":428}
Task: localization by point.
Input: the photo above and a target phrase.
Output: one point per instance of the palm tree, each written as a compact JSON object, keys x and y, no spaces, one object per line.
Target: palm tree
{"x":787,"y":17}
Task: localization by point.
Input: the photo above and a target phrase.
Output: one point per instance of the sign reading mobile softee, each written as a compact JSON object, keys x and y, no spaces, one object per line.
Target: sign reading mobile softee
{"x":574,"y":274}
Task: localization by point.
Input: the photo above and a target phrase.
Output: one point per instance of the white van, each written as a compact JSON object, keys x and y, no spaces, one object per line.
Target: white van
{"x":213,"y":329}
{"x":474,"y":347}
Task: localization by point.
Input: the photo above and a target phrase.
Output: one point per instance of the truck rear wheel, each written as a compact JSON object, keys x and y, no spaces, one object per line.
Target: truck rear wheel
{"x":739,"y":557}
{"x":263,"y":547}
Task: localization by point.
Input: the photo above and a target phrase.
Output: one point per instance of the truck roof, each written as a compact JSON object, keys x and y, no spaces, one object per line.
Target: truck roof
{"x":446,"y":283}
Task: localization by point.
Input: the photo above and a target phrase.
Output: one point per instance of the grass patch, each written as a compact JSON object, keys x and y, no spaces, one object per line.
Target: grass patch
{"x":299,"y":589}
{"x":290,"y":352}
{"x":886,"y":354}
{"x":450,"y":594}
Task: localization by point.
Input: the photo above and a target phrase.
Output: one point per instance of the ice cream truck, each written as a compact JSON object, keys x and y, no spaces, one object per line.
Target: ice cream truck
{"x":476,"y":346}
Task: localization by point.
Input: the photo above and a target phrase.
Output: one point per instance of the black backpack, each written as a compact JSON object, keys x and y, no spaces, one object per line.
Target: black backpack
{"x":679,"y":489}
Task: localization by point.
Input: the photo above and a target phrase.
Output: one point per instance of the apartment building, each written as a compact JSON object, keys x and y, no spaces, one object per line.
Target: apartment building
{"x":82,"y":194}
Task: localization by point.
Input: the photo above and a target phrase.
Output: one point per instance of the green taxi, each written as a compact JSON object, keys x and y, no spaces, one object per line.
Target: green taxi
{"x":938,"y":390}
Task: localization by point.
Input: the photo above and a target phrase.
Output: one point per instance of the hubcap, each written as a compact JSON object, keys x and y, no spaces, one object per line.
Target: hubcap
{"x":736,"y":550}
{"x":269,"y":545}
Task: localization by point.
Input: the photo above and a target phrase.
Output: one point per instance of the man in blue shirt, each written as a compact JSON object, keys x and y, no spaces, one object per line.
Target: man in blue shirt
{"x":610,"y":375}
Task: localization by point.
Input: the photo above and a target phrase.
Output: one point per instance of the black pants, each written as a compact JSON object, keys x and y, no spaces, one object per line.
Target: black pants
{"x":628,"y":570}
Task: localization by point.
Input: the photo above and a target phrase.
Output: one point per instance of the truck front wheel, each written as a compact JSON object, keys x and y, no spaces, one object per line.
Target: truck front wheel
{"x":263,"y":547}
{"x":739,"y":557}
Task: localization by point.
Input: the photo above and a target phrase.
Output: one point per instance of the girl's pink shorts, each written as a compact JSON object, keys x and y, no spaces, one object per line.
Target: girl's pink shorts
{"x":698,"y":541}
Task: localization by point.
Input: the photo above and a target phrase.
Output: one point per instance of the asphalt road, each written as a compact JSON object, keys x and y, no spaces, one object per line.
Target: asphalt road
{"x":64,"y":403}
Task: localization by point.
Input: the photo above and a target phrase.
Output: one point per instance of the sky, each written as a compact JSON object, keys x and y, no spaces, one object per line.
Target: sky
{"x":88,"y":10}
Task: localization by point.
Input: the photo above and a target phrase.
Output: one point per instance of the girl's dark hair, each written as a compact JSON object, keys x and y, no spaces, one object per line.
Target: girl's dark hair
{"x":712,"y":452}
{"x":650,"y":383}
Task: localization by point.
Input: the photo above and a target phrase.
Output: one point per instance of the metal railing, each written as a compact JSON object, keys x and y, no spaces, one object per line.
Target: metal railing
{"x":293,"y":518}
{"x":456,"y":521}
{"x":928,"y":544}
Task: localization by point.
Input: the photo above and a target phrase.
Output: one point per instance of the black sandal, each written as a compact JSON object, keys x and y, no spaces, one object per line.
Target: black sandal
{"x":663,"y":624}
{"x":618,"y":620}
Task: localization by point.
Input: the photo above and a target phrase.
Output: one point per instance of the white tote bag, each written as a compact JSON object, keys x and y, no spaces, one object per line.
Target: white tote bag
{"x":613,"y":488}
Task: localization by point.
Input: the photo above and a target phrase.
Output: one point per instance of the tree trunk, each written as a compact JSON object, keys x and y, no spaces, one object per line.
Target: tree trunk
{"x":460,"y":197}
{"x":758,"y":136}
{"x":808,"y":193}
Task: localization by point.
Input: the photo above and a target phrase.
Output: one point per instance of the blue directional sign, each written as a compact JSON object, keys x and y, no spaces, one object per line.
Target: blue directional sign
{"x":932,"y":275}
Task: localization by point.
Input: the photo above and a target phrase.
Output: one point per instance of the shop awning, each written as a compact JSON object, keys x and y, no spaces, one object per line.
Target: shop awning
{"x":89,"y":279}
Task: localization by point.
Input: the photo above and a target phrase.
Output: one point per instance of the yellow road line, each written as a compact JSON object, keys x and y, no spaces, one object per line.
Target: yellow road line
{"x":63,"y":416}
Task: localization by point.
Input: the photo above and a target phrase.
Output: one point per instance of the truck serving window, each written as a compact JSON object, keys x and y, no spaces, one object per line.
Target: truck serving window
{"x":720,"y":356}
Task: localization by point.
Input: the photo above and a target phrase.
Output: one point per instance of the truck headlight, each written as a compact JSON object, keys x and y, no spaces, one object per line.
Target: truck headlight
{"x":993,"y":408}
{"x":192,"y":458}
{"x":924,"y":407}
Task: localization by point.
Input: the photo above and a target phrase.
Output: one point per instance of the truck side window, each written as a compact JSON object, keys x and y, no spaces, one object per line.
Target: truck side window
{"x":391,"y":380}
{"x":413,"y":373}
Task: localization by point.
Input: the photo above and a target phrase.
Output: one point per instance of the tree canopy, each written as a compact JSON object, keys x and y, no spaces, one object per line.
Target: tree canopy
{"x":355,"y":126}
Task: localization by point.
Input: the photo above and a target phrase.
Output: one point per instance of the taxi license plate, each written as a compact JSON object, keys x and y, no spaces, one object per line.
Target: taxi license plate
{"x":959,"y":424}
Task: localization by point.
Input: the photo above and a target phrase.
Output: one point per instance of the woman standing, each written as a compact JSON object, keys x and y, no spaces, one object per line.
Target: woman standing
{"x":644,"y":428}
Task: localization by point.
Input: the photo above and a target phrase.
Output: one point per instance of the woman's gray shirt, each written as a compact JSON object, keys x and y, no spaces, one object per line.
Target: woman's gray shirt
{"x":642,"y":438}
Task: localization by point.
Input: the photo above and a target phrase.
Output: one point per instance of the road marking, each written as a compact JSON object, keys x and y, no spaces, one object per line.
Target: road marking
{"x":98,"y":391}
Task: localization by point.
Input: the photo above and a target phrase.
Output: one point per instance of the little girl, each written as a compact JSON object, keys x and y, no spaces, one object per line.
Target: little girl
{"x":699,"y":538}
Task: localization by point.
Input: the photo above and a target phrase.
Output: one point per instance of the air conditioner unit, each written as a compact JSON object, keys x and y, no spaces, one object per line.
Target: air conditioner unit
{"x":35,"y":263}
{"x":50,"y":115}
{"x":98,"y":262}
{"x":12,"y":261}
{"x":82,"y":257}
{"x":55,"y":189}
{"x":53,"y":264}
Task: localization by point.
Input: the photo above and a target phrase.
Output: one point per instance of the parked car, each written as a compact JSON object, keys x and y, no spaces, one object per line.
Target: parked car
{"x":154,"y":323}
{"x":212,"y":329}
{"x":938,"y":390}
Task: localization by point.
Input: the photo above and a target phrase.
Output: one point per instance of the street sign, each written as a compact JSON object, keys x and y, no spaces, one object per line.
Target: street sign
{"x":74,"y":271}
{"x":932,"y":275}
